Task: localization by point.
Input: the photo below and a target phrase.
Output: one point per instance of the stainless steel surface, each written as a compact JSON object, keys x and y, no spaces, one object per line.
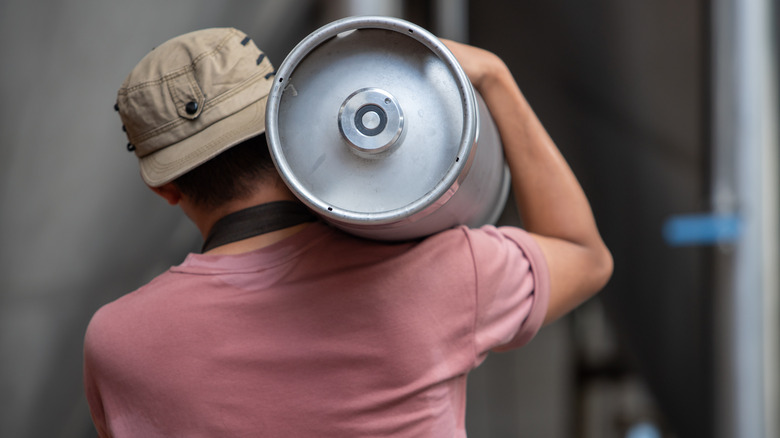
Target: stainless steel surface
{"x":405,"y":177}
{"x":451,"y":19}
{"x":745,"y":181}
{"x":371,"y":121}
{"x":332,"y":10}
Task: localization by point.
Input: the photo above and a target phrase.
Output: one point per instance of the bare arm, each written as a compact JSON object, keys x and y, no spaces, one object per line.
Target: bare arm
{"x":551,"y":202}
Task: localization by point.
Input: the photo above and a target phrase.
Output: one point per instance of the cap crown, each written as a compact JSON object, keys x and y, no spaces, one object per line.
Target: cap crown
{"x":188,"y":84}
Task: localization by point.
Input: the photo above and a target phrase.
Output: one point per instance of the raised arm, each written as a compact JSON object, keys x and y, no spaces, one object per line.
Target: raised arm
{"x":551,"y":202}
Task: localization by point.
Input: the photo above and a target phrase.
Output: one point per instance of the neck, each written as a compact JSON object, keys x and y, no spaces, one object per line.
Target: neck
{"x":205,"y":219}
{"x":256,"y":242}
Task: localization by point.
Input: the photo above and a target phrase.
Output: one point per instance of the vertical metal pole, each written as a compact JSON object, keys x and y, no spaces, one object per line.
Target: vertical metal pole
{"x":746,"y":180}
{"x":451,"y":19}
{"x":335,"y":9}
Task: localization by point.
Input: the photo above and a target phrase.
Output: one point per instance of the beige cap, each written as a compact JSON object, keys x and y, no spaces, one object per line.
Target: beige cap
{"x":191,"y":98}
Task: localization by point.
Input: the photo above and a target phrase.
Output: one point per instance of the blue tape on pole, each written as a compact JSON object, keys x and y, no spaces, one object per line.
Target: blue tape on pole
{"x":643,"y":430}
{"x":701,"y":229}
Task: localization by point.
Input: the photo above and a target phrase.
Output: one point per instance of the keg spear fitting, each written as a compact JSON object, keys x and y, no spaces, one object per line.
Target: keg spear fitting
{"x":371,"y":120}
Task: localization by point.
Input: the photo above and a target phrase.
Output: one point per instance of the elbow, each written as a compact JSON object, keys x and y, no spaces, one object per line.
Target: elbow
{"x":603,"y":267}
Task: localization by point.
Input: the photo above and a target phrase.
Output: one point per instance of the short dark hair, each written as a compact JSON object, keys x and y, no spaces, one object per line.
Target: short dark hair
{"x":233,"y":174}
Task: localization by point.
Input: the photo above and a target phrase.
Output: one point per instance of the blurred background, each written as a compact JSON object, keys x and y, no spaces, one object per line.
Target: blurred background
{"x":666,"y":110}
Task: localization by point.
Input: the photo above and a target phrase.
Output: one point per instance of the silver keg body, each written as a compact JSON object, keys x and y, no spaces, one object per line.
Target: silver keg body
{"x":373,"y":124}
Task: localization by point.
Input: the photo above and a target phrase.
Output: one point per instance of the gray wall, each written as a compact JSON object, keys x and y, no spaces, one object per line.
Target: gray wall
{"x":623,"y":88}
{"x":618,"y":84}
{"x":78,"y":227}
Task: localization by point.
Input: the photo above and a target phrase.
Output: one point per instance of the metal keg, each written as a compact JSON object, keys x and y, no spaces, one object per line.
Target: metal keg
{"x":374,"y":125}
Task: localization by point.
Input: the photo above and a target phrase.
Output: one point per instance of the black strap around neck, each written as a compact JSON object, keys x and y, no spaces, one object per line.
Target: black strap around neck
{"x":256,"y":220}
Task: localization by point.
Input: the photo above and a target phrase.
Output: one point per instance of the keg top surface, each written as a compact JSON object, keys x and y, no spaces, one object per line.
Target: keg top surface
{"x":370,"y":120}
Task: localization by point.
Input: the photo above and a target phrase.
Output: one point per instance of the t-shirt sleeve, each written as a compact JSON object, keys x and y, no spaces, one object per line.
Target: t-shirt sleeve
{"x":512,"y":288}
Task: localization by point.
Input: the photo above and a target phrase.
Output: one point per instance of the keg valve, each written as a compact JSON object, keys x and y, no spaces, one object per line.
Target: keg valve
{"x":371,"y":120}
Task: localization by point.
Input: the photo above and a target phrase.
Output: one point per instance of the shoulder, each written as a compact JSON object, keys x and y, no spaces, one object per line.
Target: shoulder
{"x":116,"y":317}
{"x":513,"y":286}
{"x":490,"y":241}
{"x":487,"y":251}
{"x":508,"y":251}
{"x":478,"y":245}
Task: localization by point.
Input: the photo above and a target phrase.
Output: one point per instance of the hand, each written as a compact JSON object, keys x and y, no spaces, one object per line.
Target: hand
{"x":479,"y":64}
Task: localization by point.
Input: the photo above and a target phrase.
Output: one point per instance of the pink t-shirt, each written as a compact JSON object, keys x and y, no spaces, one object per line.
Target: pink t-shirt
{"x":320,"y":335}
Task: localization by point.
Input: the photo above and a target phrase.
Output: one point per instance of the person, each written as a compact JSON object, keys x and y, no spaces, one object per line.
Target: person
{"x":298,"y":329}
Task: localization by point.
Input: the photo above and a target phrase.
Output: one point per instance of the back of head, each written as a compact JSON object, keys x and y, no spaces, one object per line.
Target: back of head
{"x":235,"y":174}
{"x":192,"y":98}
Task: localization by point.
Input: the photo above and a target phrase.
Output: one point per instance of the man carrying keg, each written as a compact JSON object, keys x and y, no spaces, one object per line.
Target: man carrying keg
{"x":284,"y":326}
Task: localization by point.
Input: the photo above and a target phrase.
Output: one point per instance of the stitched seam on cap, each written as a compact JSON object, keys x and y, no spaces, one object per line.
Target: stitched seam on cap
{"x":230,"y":93}
{"x":196,"y":88}
{"x":176,"y":96}
{"x":209,"y":106}
{"x":206,"y":149}
{"x":218,"y":48}
{"x":181,"y":70}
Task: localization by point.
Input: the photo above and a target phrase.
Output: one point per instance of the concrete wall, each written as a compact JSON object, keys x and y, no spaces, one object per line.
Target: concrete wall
{"x":618,"y":84}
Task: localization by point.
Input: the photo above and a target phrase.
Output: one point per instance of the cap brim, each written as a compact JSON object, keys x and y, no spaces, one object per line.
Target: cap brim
{"x":175,"y":160}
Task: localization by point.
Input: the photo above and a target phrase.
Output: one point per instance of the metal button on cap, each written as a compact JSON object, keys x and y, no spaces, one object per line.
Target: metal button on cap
{"x":191,"y":107}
